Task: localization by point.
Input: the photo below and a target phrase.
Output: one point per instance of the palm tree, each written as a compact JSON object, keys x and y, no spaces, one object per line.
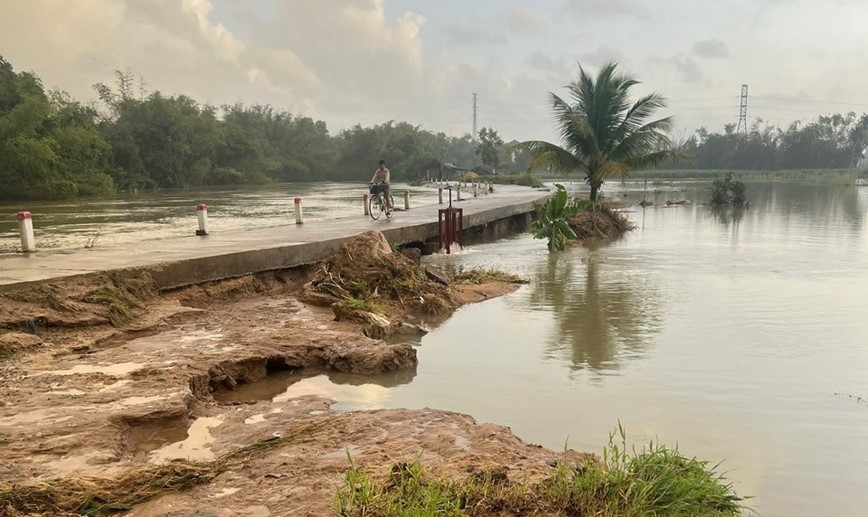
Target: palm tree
{"x":604,"y":134}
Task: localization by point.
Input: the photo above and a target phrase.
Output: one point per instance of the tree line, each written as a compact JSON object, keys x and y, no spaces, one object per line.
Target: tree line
{"x":55,"y":147}
{"x":833,"y":141}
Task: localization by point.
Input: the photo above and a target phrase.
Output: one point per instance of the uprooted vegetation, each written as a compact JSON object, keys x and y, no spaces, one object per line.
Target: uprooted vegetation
{"x":367,"y":282}
{"x":483,"y":275}
{"x":655,"y":481}
{"x":600,"y":221}
{"x":366,"y":275}
{"x":562,"y":219}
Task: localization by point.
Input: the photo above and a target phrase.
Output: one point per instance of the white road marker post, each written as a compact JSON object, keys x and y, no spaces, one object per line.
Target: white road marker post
{"x":299,"y":217}
{"x":25,"y":224}
{"x":202,"y":215}
{"x":440,"y":195}
{"x":365,"y":201}
{"x":406,"y":200}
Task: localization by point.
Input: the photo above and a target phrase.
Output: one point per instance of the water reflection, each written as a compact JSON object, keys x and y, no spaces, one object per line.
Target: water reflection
{"x":727,"y":215}
{"x":603,"y":315}
{"x":822,"y":205}
{"x":281,"y":383}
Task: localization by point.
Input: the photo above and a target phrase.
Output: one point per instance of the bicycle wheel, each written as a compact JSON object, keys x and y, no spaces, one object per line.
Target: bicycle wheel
{"x":374,"y":207}
{"x":390,"y":210}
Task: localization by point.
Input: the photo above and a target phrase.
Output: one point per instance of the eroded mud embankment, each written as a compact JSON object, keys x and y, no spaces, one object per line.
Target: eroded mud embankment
{"x":106,"y":376}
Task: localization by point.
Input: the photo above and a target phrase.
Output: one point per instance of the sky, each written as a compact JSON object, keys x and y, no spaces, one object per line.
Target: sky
{"x":369,"y":61}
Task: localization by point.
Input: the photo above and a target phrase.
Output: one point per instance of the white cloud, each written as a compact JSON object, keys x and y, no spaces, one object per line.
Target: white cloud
{"x":591,"y":9}
{"x":521,"y":20}
{"x":711,"y":48}
{"x":367,"y":61}
{"x":465,"y":35}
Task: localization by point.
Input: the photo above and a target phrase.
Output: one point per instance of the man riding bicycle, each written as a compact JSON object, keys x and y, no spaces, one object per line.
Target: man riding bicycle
{"x":380,"y":183}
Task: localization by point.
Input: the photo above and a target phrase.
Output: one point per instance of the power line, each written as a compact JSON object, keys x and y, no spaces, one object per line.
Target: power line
{"x":785,"y":99}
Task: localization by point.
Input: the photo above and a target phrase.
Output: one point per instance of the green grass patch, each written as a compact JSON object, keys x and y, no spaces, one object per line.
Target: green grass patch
{"x":525,"y":180}
{"x":843,"y":176}
{"x":654,"y":481}
{"x":366,"y":304}
{"x":121,"y":307}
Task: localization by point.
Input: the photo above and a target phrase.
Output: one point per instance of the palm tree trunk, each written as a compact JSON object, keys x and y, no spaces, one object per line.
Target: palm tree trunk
{"x":594,"y":189}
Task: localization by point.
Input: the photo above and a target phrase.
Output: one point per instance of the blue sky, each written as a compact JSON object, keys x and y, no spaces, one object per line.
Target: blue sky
{"x":368,"y":61}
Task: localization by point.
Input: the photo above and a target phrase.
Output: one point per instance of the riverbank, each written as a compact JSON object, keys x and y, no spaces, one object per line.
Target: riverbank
{"x":120,"y":377}
{"x":136,"y":400}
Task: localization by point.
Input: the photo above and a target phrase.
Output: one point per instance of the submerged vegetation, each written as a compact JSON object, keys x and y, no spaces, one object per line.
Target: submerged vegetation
{"x":552,"y":219}
{"x":601,"y":221}
{"x":728,"y":191}
{"x":655,"y":480}
{"x":561,"y":219}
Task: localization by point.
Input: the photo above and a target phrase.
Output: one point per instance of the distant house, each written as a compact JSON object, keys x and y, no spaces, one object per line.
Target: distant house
{"x":436,"y":170}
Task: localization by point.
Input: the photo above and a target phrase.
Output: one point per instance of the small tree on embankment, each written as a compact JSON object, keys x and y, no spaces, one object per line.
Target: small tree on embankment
{"x":562,"y":219}
{"x":605,"y":134}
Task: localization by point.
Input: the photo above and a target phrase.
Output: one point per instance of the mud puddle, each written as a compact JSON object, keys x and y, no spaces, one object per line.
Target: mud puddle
{"x":281,"y":386}
{"x":194,"y":447}
{"x":144,"y":439}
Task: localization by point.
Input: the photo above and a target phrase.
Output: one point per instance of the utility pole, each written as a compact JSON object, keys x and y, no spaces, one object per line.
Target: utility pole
{"x":742,"y":112}
{"x":474,"y":115}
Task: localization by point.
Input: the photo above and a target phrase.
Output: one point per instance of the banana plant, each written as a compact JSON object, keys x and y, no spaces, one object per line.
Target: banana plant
{"x":552,"y":219}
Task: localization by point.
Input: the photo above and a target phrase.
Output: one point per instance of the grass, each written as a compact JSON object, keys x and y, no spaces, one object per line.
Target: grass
{"x":365,"y":304}
{"x":405,"y":493}
{"x":655,"y":481}
{"x":121,"y":307}
{"x":526,"y":180}
{"x":481,"y":275}
{"x":99,"y":496}
{"x":842,"y":176}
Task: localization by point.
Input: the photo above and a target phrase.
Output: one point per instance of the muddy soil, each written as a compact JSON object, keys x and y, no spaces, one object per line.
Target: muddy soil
{"x":84,"y":396}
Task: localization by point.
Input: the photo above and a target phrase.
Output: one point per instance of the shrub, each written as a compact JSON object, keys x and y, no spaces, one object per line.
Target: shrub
{"x":728,"y":191}
{"x":552,"y":219}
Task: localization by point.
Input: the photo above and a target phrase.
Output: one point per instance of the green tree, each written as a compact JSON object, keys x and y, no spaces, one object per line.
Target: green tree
{"x":407,"y":149}
{"x":488,"y":148}
{"x":49,"y":145}
{"x":604,"y":133}
{"x":552,"y":219}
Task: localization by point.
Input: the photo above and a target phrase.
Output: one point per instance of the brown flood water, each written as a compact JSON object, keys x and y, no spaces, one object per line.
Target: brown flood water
{"x":741,"y":338}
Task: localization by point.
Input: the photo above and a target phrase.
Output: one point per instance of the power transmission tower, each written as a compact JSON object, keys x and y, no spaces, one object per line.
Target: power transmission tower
{"x":474,"y":115}
{"x":742,"y":112}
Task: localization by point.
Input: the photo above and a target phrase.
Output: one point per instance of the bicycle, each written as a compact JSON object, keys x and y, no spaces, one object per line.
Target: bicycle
{"x":377,"y":205}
